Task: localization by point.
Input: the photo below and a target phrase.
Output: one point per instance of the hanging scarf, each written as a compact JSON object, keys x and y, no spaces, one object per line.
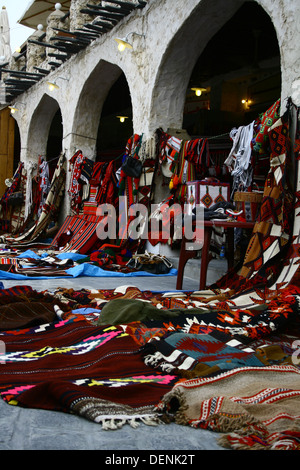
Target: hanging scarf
{"x":107,"y":190}
{"x":197,"y":152}
{"x":185,"y":172}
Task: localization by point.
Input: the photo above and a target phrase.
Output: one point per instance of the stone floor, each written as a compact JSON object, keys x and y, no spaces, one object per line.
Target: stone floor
{"x":34,"y":429}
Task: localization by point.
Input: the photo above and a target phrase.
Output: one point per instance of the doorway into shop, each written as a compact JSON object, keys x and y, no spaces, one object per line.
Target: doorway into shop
{"x":115,"y":126}
{"x":238,"y":73}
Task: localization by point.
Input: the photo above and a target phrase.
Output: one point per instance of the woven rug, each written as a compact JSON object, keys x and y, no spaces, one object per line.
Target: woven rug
{"x":194,"y":355}
{"x":83,"y":230}
{"x":255,"y":408}
{"x":49,"y":211}
{"x":73,"y":364}
{"x":74,"y":367}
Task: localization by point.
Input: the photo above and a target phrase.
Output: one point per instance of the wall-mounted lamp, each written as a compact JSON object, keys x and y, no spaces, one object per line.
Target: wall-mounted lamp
{"x":13,"y":108}
{"x":123,"y":43}
{"x":198,"y":91}
{"x":122,"y":118}
{"x":53,"y":85}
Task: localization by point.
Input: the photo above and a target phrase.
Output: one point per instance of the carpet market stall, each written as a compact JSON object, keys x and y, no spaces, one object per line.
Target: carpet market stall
{"x":224,"y":359}
{"x":219,"y":173}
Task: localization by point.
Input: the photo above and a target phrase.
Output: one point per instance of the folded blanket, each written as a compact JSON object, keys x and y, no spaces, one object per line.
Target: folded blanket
{"x":23,"y":314}
{"x":119,"y":311}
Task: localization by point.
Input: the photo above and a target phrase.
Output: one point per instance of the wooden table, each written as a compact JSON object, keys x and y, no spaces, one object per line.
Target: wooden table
{"x":185,"y":255}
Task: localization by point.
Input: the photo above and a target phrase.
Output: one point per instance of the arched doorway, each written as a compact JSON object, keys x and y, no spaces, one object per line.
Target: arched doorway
{"x":96,"y":129}
{"x":116,"y":121}
{"x":238,"y":72}
{"x":54,"y":144}
{"x":45,"y":130}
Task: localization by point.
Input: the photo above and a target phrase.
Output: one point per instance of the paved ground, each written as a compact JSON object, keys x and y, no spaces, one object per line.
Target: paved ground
{"x":30,"y":429}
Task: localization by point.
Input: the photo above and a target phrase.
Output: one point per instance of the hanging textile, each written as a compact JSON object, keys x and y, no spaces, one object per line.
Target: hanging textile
{"x":107,"y":192}
{"x":44,"y":185}
{"x":273,"y":228}
{"x":50,"y":209}
{"x":260,"y":143}
{"x":197,"y":152}
{"x":128,"y":186}
{"x":239,"y":158}
{"x":185,"y":171}
{"x":169,"y":150}
{"x":75,"y":185}
{"x":12,"y":188}
{"x":30,"y":167}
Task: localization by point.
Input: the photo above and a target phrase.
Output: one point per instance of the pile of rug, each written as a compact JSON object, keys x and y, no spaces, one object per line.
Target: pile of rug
{"x":123,"y":356}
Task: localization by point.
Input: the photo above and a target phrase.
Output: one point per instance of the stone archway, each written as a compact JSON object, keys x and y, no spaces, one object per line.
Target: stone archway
{"x":89,"y":107}
{"x":239,"y":76}
{"x":38,"y":133}
{"x":180,"y":57}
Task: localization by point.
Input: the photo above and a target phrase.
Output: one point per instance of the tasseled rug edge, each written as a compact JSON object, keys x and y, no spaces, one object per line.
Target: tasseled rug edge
{"x":113,"y":416}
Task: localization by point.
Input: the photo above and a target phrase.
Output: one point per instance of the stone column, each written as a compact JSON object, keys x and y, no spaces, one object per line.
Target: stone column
{"x":56,"y":19}
{"x":35,"y":54}
{"x":16,"y":62}
{"x":78,"y":19}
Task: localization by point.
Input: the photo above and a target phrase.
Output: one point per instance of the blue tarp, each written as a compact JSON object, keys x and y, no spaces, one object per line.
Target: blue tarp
{"x":69,"y":255}
{"x":85,"y":269}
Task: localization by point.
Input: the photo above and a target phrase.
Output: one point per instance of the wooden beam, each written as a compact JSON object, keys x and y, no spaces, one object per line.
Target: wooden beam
{"x":44,"y":44}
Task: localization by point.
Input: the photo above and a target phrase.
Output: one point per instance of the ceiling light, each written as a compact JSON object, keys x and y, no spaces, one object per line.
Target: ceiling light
{"x":246,"y":102}
{"x":123,"y":43}
{"x":122,"y":118}
{"x":198,"y":91}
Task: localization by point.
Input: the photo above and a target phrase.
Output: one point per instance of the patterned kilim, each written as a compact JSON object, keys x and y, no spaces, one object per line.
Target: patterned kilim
{"x":16,"y":185}
{"x":49,"y":211}
{"x":191,"y":355}
{"x":273,"y":228}
{"x":273,"y":257}
{"x":255,"y":408}
{"x":90,"y":206}
{"x":72,"y":366}
{"x":83,"y":233}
